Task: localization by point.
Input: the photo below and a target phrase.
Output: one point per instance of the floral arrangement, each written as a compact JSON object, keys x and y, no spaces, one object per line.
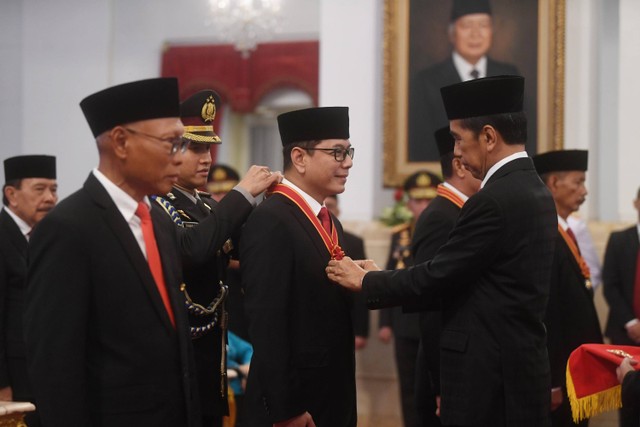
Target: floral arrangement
{"x":398,"y":213}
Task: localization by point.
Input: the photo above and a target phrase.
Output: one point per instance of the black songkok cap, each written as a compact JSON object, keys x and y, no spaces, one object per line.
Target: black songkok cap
{"x":422,"y":185}
{"x":444,"y":140}
{"x":35,"y":166}
{"x":222,"y":179}
{"x":483,"y":97}
{"x":561,"y":161}
{"x":467,"y":7}
{"x":314,"y":124}
{"x":197,"y":114}
{"x":131,"y":102}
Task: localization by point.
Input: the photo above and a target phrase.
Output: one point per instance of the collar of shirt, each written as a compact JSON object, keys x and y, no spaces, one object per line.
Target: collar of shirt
{"x":126,"y":204}
{"x":464,"y":68}
{"x":564,"y":224}
{"x":313,"y":203}
{"x":494,"y":168}
{"x":638,"y":227}
{"x":22,"y":225}
{"x":186,"y":192}
{"x":459,"y":193}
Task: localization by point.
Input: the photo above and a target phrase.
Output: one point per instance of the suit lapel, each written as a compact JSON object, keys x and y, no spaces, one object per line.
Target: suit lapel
{"x":14,"y":234}
{"x":123,"y":234}
{"x":307,"y":226}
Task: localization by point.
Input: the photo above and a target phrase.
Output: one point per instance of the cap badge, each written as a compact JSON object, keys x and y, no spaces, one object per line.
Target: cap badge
{"x":423,"y":180}
{"x":219,"y":174}
{"x":209,"y":110}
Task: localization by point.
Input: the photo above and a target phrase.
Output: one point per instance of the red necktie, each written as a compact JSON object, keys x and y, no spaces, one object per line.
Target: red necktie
{"x":573,"y":237}
{"x":153,"y":256}
{"x":325,"y":219}
{"x":636,"y":289}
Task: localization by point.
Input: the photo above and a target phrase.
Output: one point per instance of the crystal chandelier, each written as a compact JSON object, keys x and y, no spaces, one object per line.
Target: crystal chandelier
{"x":245,"y":23}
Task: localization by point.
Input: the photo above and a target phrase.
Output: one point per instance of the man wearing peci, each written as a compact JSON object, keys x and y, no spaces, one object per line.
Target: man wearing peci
{"x":470,"y":34}
{"x":29,"y":193}
{"x":303,"y":366}
{"x":106,"y":329}
{"x":492,"y":274}
{"x":431,"y":232}
{"x":571,"y":317}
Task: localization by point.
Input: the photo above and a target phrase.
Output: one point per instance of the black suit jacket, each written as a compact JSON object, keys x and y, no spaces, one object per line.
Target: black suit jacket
{"x":426,"y":111}
{"x":13,"y":275}
{"x":353,"y":246}
{"x":493,"y":276}
{"x":431,"y":232}
{"x":99,"y":339}
{"x":618,"y":277}
{"x":299,"y":322}
{"x":571,"y":317}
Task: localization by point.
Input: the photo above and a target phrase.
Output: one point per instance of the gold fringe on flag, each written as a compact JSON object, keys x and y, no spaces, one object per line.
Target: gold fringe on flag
{"x":594,"y":404}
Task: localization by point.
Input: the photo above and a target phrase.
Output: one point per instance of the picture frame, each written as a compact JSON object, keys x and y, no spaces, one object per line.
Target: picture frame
{"x":528,"y":33}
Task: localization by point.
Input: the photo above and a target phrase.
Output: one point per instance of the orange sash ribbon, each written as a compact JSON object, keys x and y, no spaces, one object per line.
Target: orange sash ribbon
{"x":584,"y":268}
{"x":330,"y":241}
{"x":445,"y":192}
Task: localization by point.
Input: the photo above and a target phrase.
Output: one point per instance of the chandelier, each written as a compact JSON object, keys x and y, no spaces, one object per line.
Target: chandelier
{"x":245,"y":23}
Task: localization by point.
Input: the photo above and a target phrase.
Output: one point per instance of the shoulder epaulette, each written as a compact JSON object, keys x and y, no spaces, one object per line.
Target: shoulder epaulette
{"x":168,"y":208}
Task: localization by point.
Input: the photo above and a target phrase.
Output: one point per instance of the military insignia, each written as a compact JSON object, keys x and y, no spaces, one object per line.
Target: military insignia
{"x":423,"y":180}
{"x":183,"y":214}
{"x":219,"y":174}
{"x":208,"y":112}
{"x":228,"y":246}
{"x":170,"y":196}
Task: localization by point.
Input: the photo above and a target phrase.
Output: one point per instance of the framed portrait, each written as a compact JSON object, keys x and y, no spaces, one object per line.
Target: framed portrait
{"x":526,"y":37}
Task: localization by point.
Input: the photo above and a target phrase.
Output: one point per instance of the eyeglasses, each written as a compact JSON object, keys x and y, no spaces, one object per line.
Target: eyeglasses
{"x":339,"y":153}
{"x":177,"y":142}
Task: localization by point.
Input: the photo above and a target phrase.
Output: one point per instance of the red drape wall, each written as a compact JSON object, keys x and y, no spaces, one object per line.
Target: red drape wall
{"x":243,"y":82}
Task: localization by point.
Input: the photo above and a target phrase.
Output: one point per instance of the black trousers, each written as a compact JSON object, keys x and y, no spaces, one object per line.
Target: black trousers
{"x":406,"y":351}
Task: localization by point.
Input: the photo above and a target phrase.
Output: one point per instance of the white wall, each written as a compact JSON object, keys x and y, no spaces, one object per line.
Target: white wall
{"x":56,"y":52}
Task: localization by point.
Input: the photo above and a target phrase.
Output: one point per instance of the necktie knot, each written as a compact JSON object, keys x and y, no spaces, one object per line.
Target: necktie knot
{"x":474,"y":74}
{"x":142,"y":212}
{"x":325,"y":219}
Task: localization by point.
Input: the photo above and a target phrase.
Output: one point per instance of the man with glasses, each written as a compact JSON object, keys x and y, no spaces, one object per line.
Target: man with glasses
{"x":303,"y":367}
{"x":106,"y":329}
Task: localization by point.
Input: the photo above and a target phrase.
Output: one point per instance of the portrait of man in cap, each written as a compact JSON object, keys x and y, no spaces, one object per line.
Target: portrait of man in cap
{"x":459,"y":40}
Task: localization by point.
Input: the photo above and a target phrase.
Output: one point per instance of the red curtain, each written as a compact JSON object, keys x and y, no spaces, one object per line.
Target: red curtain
{"x":243,"y":82}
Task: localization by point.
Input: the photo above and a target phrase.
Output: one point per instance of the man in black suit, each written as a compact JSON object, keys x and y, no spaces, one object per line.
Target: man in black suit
{"x":571,"y":318}
{"x":470,"y":34}
{"x":29,"y":193}
{"x":492,"y":274}
{"x":354,"y":247}
{"x":419,"y":189}
{"x":205,"y":287}
{"x":621,"y":287}
{"x":431,"y":232}
{"x":303,"y":366}
{"x":107,"y":333}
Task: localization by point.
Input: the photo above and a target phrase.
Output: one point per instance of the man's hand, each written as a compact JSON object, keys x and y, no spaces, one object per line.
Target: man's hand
{"x":303,"y":420}
{"x":633,"y":332}
{"x":385,"y":334}
{"x":258,"y":179}
{"x":360,"y":342}
{"x":6,"y":394}
{"x":625,"y":367}
{"x":349,"y":273}
{"x":556,"y":398}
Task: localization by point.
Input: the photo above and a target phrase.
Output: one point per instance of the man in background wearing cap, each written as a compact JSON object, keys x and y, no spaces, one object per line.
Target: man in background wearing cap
{"x":493,"y":273}
{"x":303,"y":366}
{"x":571,"y":317}
{"x":205,"y":289}
{"x":432,"y":231}
{"x":403,"y":328}
{"x":29,"y":193}
{"x":470,"y":34}
{"x":621,"y":288}
{"x":221,"y":180}
{"x":107,"y":332}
